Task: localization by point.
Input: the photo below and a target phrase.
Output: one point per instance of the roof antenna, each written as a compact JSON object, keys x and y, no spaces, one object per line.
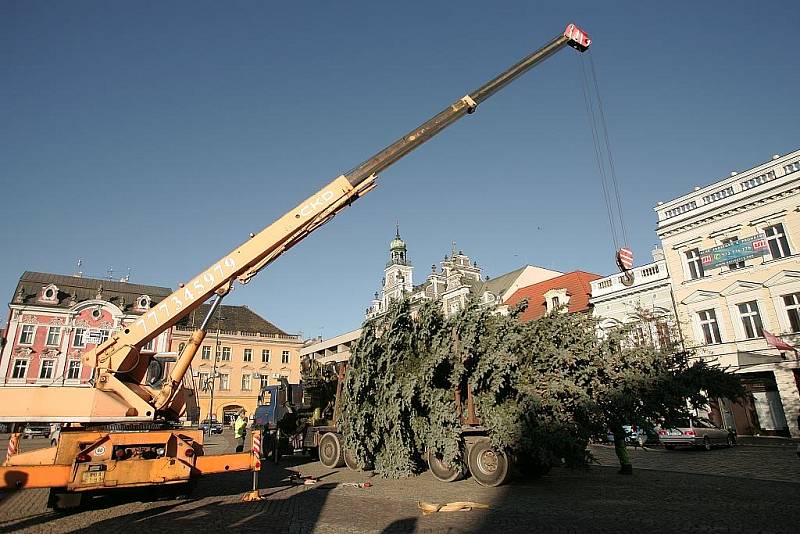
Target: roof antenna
{"x":79,"y":273}
{"x":127,"y":277}
{"x":110,"y":273}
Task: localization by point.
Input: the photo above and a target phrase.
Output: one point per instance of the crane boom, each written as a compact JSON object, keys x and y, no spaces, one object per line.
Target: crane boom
{"x":120,"y":393}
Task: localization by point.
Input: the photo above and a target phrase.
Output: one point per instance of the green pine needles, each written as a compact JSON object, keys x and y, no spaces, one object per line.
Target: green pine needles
{"x":542,"y":389}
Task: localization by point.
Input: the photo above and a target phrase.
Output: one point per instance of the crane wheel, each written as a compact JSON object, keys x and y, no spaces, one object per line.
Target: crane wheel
{"x":488,"y":466}
{"x":442,"y":471}
{"x":330,"y":450}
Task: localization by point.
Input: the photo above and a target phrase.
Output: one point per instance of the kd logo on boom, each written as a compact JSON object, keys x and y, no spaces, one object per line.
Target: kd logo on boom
{"x":316,"y":204}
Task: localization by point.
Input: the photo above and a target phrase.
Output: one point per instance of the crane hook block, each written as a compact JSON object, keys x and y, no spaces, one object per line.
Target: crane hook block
{"x":577,"y":38}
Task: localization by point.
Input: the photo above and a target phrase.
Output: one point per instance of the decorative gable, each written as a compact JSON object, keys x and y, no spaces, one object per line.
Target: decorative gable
{"x":142,"y":303}
{"x":783,"y":277}
{"x":555,"y":298}
{"x":49,"y":294}
{"x":699,"y":296}
{"x":740,"y":286}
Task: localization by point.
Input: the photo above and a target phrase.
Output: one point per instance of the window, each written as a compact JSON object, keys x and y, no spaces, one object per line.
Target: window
{"x":226,"y":354}
{"x":554,"y":303}
{"x":53,"y":335}
{"x":248,"y":355}
{"x":792,"y":167}
{"x":792,"y":303}
{"x":751,"y":319}
{"x":285,"y":356}
{"x":224,"y":382}
{"x":639,"y":336}
{"x":264,"y":381}
{"x":46,"y":372}
{"x":776,"y":239}
{"x":181,"y":347}
{"x":203,"y":379}
{"x":694,"y":264}
{"x":103,"y":336}
{"x":26,"y":336}
{"x":20,"y":368}
{"x":79,"y":340}
{"x":206,"y":353}
{"x":265,"y":355}
{"x":247,"y":382}
{"x":664,"y":335}
{"x":708,"y":323}
{"x":149,"y":346}
{"x":74,"y":370}
{"x":736,"y":264}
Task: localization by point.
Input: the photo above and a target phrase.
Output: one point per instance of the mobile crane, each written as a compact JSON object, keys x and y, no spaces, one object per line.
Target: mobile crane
{"x":119,"y":432}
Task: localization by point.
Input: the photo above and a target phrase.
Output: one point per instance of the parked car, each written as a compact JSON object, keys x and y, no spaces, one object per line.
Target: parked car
{"x":216,"y":426}
{"x":636,"y":435}
{"x":696,"y":432}
{"x":35,"y":429}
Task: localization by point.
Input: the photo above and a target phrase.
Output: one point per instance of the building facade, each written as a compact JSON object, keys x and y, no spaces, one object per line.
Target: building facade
{"x":458,"y":279}
{"x":645,"y":304}
{"x":731,"y":250}
{"x":241,"y":353}
{"x":54,"y":319}
{"x":335,"y":349}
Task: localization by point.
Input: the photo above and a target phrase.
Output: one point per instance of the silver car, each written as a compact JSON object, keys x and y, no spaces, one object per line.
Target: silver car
{"x":696,"y":432}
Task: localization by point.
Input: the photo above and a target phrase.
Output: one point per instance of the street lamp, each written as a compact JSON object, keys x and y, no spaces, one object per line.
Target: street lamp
{"x":214,"y":374}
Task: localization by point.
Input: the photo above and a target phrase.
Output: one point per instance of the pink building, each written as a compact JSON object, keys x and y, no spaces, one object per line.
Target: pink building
{"x":54,"y":318}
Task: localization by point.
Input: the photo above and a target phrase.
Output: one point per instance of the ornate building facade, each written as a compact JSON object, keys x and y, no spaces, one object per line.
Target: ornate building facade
{"x":458,"y":279}
{"x":54,"y":319}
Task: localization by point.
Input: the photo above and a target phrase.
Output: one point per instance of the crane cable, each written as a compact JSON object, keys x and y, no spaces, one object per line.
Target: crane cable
{"x":603,"y":153}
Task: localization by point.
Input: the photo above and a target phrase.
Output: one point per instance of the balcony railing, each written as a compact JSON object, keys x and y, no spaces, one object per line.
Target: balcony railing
{"x":641,"y":275}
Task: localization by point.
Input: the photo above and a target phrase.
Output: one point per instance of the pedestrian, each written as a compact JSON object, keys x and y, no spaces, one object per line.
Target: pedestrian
{"x":240,"y":430}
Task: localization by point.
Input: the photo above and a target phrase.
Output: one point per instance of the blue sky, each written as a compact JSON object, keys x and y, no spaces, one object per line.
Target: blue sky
{"x":156,"y":135}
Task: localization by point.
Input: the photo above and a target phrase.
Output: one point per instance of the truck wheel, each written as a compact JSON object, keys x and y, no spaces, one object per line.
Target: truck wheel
{"x":442,"y":471}
{"x":330,"y":450}
{"x":489,"y":466}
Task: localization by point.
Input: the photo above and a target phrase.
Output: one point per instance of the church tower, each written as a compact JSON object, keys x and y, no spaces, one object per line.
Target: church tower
{"x":398,"y":274}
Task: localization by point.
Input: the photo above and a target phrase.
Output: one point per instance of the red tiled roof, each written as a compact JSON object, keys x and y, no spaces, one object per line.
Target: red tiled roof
{"x":578,"y":290}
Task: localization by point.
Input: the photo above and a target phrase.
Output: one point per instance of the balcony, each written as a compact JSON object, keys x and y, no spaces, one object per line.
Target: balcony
{"x":644,"y":274}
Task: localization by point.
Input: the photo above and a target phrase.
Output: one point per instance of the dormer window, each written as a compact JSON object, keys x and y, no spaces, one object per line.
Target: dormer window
{"x":49,"y":294}
{"x":556,"y":299}
{"x":143,"y":303}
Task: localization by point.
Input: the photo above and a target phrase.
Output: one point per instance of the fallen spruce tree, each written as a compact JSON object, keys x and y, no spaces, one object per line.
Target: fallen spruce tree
{"x":542,"y":388}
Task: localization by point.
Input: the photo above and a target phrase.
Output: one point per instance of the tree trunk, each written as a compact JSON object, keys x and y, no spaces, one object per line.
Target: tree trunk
{"x":625,"y":466}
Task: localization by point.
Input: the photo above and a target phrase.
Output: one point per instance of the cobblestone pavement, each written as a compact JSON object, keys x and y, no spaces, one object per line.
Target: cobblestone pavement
{"x":717,"y":491}
{"x":760,"y":463}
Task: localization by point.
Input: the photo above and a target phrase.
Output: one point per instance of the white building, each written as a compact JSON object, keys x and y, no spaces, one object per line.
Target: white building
{"x":617,"y":302}
{"x":731,"y":249}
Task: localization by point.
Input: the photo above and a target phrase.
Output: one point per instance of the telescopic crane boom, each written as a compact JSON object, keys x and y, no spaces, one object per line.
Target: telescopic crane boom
{"x":120,"y":392}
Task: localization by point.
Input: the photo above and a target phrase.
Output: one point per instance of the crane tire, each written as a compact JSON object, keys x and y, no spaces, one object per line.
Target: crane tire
{"x":330,"y":449}
{"x":442,"y":471}
{"x":489,"y":466}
